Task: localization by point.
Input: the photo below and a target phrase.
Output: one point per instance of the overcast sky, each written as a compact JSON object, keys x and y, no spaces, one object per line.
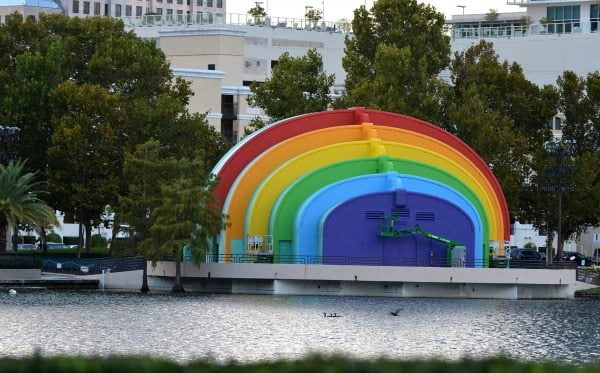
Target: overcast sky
{"x":336,"y":9}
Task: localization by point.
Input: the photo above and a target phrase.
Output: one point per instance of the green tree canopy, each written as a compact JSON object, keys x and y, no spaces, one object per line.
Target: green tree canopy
{"x":501,"y":115}
{"x":297,"y":86}
{"x":394,"y":56}
{"x":85,"y":92}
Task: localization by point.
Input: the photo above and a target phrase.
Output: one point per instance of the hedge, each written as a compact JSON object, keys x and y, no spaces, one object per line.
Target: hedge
{"x":331,"y":364}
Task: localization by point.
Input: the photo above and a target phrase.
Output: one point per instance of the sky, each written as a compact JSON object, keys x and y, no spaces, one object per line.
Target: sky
{"x":336,"y":9}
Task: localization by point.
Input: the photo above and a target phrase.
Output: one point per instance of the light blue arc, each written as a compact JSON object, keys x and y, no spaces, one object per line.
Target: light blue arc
{"x":311,"y":215}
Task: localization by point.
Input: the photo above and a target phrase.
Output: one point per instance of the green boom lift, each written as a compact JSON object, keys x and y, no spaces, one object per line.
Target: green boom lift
{"x":389,"y":229}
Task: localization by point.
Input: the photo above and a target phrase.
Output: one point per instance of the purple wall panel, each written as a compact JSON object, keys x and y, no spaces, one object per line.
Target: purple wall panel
{"x":351,"y":229}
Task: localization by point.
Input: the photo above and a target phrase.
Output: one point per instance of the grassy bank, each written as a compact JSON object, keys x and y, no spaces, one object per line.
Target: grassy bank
{"x":308,"y":364}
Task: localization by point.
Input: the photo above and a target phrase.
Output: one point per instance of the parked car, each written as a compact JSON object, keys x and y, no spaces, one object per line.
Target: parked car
{"x":528,"y":254}
{"x":579,"y":259}
{"x":526,"y":258}
{"x":55,"y":245}
{"x":26,"y":246}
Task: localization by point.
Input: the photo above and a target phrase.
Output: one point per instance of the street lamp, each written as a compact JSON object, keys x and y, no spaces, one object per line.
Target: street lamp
{"x":463,"y":8}
{"x":559,"y":150}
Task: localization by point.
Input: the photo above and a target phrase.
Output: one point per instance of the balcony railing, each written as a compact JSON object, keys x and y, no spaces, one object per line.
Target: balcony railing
{"x":235,"y":19}
{"x":509,"y":31}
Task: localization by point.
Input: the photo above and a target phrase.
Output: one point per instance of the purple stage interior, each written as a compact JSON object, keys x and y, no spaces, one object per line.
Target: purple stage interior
{"x":352,"y":229}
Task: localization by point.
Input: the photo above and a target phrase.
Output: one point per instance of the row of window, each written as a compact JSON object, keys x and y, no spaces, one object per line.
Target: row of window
{"x":128,"y":8}
{"x":569,"y":13}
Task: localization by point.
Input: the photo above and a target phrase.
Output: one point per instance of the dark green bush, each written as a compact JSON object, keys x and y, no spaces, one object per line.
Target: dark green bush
{"x":332,"y":364}
{"x":53,"y":237}
{"x":69,"y":240}
{"x":98,"y":241}
{"x":27,"y":239}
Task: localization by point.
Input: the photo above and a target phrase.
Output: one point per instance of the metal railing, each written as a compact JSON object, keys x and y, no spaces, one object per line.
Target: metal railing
{"x":377,"y":261}
{"x":92,"y":266}
{"x":508,"y":31}
{"x":588,"y":276}
{"x":234,"y":19}
{"x":12,"y":261}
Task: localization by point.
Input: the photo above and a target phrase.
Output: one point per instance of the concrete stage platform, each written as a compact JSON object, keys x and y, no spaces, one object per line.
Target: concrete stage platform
{"x":296,"y":279}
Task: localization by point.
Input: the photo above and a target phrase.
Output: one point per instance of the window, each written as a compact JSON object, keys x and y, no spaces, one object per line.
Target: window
{"x":159,"y":11}
{"x":209,"y":3}
{"x":117,"y":10}
{"x":86,"y":7}
{"x":200,"y":2}
{"x":212,"y":66}
{"x":75,"y":8}
{"x":96,"y":9}
{"x":179,"y":2}
{"x":557,"y":124}
{"x":563,"y":19}
{"x":180,"y":12}
{"x":219,"y":3}
{"x":138,"y":11}
{"x":596,"y":237}
{"x":106,"y":10}
{"x":127,"y":10}
{"x":169,"y":1}
{"x":595,"y":17}
{"x":169,"y":12}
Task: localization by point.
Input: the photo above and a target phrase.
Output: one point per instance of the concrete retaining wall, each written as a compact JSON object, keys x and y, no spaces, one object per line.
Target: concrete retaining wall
{"x":368,"y":281}
{"x":20,"y":274}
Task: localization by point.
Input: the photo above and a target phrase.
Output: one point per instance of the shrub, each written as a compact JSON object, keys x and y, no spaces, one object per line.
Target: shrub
{"x":53,"y":237}
{"x":70,"y":240}
{"x":98,"y":241}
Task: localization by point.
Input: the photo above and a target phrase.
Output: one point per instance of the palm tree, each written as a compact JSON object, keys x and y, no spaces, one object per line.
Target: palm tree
{"x":19,"y":200}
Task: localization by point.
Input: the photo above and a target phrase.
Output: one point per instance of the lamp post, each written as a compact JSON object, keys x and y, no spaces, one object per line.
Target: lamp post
{"x":559,"y":150}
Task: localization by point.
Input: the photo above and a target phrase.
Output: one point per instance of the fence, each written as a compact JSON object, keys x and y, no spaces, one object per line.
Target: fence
{"x":19,"y":262}
{"x":92,"y":266}
{"x":589,"y":276}
{"x":378,"y":261}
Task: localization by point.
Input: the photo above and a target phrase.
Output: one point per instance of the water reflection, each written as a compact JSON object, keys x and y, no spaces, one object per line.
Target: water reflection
{"x":250,"y":328}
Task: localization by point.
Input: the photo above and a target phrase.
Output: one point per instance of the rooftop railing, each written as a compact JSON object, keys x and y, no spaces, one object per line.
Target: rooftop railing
{"x":235,"y":19}
{"x":510,"y":31}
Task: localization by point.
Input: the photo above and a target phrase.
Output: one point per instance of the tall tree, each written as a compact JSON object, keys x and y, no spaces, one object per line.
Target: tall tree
{"x":502,"y":116}
{"x":184,"y":217}
{"x":580,"y":104}
{"x":297,"y":86}
{"x":393,"y":58}
{"x":85,"y":92}
{"x":85,"y":157}
{"x":20,"y":200}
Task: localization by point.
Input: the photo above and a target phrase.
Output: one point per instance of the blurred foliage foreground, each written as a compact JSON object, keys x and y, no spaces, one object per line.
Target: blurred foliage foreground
{"x":312,"y":363}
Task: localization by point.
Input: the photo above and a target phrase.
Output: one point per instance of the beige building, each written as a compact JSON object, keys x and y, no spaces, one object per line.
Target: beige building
{"x":222,"y":60}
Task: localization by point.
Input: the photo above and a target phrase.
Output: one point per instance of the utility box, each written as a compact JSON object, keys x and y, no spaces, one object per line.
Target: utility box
{"x":459,"y":256}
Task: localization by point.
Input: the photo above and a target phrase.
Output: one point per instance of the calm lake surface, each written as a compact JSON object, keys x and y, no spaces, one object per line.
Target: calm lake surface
{"x":250,"y":328}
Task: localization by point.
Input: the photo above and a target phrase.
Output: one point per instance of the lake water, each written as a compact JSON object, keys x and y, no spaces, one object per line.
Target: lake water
{"x":250,"y":328}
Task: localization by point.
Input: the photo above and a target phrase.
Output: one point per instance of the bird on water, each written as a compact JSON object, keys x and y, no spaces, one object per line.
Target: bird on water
{"x":396,"y":313}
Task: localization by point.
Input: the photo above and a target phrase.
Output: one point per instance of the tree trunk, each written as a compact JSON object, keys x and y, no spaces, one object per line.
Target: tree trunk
{"x":145,"y":287}
{"x":177,"y":288}
{"x":88,"y":238}
{"x":3,"y":242}
{"x":113,"y":235}
{"x":15,"y":238}
{"x":43,"y":241}
{"x":81,"y":242}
